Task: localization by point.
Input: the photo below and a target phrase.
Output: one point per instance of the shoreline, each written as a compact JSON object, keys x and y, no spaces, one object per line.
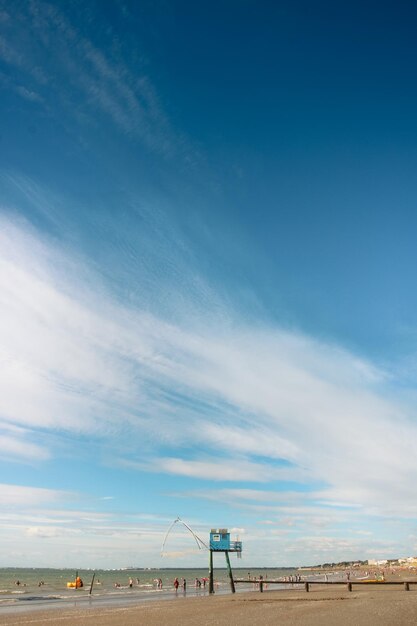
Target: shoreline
{"x":321,"y":606}
{"x":37,"y":604}
{"x":228,"y":609}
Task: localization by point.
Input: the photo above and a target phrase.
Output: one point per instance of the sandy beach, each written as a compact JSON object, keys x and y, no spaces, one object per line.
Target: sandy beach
{"x":321,"y":606}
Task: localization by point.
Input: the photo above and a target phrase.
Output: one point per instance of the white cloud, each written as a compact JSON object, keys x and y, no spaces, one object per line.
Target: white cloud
{"x":60,"y":65}
{"x":73,"y":358}
{"x":261,"y":440}
{"x":48,"y":532}
{"x":215,"y":469}
{"x":15,"y":496}
{"x":32,"y":533}
{"x":11,"y":447}
{"x":249,"y":496}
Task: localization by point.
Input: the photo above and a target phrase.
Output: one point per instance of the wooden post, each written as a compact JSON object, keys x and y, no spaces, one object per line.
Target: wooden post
{"x":406,"y":586}
{"x":349,"y":586}
{"x":92,"y":583}
{"x":211,"y":578}
{"x":306,"y":586}
{"x":232,"y":582}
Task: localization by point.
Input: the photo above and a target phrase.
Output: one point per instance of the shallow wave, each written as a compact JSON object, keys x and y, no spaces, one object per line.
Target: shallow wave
{"x":37,"y":598}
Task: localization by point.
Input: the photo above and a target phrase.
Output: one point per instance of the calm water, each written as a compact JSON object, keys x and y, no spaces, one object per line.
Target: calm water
{"x":54,"y":591}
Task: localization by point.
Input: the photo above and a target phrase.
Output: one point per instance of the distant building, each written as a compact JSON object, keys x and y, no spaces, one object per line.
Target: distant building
{"x":411,"y":561}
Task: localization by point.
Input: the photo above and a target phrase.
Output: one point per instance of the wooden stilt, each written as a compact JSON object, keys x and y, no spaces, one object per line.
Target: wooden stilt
{"x":232,"y":582}
{"x":211,"y":578}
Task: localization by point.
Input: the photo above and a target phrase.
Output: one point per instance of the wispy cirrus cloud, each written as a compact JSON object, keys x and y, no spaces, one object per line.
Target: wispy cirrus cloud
{"x":14,"y":447}
{"x":35,"y":530}
{"x":55,"y":63}
{"x":251,"y":495}
{"x":13,"y":496}
{"x":225,"y":470}
{"x":74,"y":358}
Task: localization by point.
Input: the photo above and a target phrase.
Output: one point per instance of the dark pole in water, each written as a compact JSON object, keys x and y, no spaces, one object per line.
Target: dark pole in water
{"x":211,"y":579}
{"x":92,"y":583}
{"x":232,"y":582}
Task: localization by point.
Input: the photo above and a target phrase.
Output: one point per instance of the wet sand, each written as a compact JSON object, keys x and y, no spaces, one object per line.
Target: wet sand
{"x":322,"y":606}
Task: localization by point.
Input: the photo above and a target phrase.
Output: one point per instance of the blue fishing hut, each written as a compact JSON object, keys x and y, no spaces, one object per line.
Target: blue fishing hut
{"x":220,"y":542}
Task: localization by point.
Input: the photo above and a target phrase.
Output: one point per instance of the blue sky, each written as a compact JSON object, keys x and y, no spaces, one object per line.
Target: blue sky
{"x":207,"y":302}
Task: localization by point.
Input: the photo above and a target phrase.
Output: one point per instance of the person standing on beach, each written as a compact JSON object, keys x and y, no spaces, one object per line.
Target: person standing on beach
{"x":184,"y":584}
{"x":176,"y":584}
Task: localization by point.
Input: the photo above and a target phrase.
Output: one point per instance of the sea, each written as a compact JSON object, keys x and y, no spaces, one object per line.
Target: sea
{"x":28,"y":588}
